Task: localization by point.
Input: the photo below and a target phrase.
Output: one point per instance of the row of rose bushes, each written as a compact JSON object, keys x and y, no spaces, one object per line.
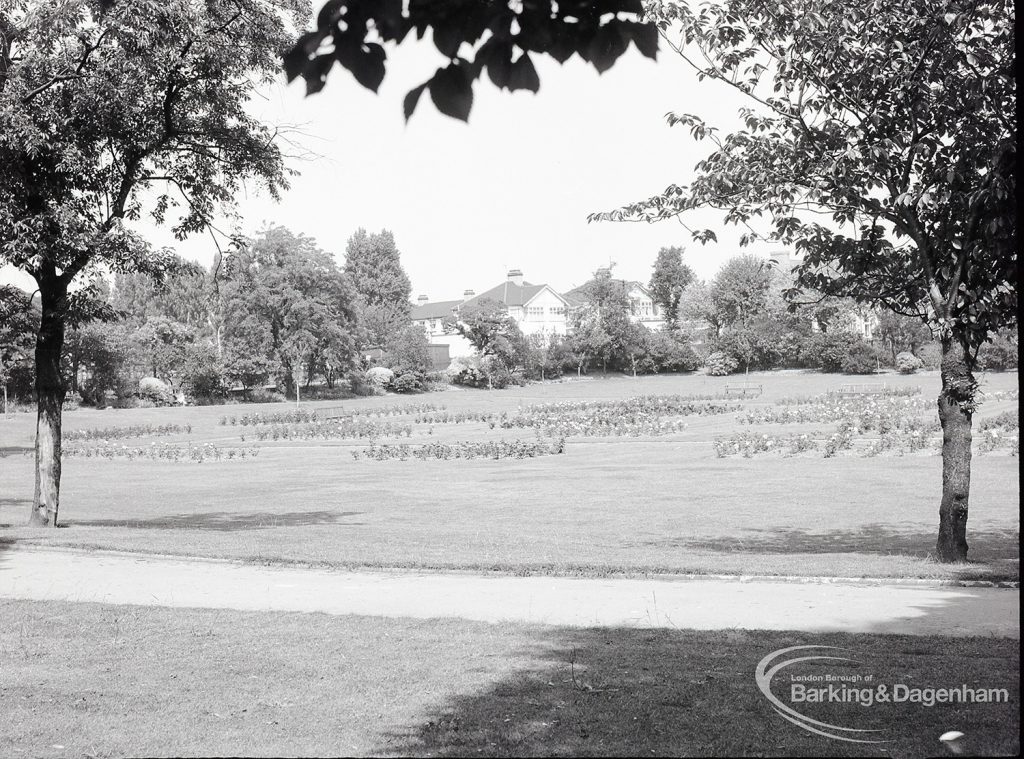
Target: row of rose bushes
{"x":749,"y":444}
{"x":120,"y":433}
{"x":631,"y":417}
{"x":1000,"y":431}
{"x":299,"y":416}
{"x":872,"y":413}
{"x":491,"y":449}
{"x":332,"y":429}
{"x":160,"y":452}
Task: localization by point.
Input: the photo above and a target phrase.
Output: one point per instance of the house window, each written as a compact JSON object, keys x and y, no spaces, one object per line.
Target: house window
{"x":557,"y":310}
{"x":535,"y":311}
{"x":433,"y":323}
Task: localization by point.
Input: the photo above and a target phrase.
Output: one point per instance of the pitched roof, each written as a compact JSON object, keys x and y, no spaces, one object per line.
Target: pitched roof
{"x":437,"y":310}
{"x":510,"y":294}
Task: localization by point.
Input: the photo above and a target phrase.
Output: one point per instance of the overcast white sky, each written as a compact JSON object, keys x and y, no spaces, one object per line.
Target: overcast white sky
{"x":512,"y":188}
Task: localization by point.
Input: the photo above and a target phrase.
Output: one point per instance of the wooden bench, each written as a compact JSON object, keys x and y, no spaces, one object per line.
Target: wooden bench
{"x":862,"y":389}
{"x":744,"y":391}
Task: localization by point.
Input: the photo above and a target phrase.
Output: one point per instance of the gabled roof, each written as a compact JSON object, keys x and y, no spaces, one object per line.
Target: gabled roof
{"x":436,"y":310}
{"x":510,"y":294}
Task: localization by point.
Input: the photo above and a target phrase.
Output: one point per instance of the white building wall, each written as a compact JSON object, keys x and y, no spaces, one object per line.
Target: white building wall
{"x":545,"y":314}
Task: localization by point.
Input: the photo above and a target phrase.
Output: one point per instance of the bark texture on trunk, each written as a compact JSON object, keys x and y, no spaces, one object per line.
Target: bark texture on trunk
{"x":50,"y":390}
{"x":956,"y":405}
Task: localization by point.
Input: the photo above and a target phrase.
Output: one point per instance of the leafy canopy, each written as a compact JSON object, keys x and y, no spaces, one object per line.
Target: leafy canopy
{"x":502,"y":37}
{"x":880,"y":142}
{"x":103,"y":105}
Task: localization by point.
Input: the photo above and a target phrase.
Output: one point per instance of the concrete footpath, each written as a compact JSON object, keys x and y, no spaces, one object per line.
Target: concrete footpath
{"x":695,"y":604}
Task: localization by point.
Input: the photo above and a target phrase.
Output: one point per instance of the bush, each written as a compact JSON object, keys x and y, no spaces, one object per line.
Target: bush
{"x":156,"y":391}
{"x":1000,"y":354}
{"x":671,"y":355}
{"x":467,"y":372}
{"x":261,"y":395}
{"x":380,"y":377}
{"x":862,"y":358}
{"x":719,"y":364}
{"x":828,"y":350}
{"x":407,"y":383}
{"x":908,"y":363}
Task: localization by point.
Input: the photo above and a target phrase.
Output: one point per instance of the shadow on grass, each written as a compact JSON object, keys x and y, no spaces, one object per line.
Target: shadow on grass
{"x":625,"y":692}
{"x":876,"y":539}
{"x":226,"y":521}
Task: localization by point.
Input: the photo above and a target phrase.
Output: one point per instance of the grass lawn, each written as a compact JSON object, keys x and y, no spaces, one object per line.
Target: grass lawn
{"x":96,"y":680}
{"x":607,"y":505}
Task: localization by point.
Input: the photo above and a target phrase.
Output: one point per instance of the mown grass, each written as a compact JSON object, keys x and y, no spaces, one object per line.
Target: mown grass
{"x":605,"y":506}
{"x":100,"y":681}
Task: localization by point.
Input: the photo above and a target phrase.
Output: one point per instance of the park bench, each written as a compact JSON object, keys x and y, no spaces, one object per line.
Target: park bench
{"x":862,"y":389}
{"x":744,"y":391}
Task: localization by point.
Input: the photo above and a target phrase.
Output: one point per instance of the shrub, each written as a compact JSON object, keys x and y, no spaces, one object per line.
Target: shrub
{"x":261,"y":395}
{"x":719,"y":364}
{"x":827,"y":350}
{"x":1000,"y":354}
{"x":156,"y":391}
{"x":466,"y":371}
{"x":908,"y":363}
{"x":407,"y":383}
{"x":861,"y":358}
{"x":380,"y":377}
{"x":671,"y":355}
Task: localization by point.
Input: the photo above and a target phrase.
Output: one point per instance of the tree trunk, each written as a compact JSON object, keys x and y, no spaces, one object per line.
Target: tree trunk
{"x":956,"y":403}
{"x":50,"y":392}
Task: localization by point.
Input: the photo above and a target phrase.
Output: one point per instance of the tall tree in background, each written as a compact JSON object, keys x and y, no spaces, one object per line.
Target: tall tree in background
{"x":668,"y":281}
{"x":105,"y":104}
{"x":286,"y":298}
{"x":895,"y":119}
{"x":373,"y":265}
{"x":740,"y":289}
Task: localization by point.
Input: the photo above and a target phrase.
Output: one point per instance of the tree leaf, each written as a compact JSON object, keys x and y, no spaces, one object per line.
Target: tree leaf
{"x":452,"y":92}
{"x":369,"y":66}
{"x":523,"y":76}
{"x":412,"y":98}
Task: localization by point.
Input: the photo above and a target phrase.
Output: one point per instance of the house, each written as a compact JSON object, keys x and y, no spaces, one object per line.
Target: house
{"x":431,"y":315}
{"x":537,"y":309}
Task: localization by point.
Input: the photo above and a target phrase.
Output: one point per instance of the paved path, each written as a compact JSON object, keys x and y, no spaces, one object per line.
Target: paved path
{"x":685,"y":604}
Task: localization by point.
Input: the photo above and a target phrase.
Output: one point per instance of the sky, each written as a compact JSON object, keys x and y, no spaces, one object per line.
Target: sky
{"x":510,"y":189}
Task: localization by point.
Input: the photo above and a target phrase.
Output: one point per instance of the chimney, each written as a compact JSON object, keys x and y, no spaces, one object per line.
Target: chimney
{"x":422,"y":299}
{"x":467,"y":294}
{"x":515,"y":276}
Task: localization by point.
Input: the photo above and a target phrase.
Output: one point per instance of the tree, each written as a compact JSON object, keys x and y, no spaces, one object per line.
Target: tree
{"x":669,"y":280}
{"x":587,"y":336}
{"x":502,"y":37}
{"x":740,"y":289}
{"x":607,"y":339}
{"x":374,"y":267}
{"x":283,"y":291}
{"x":103,"y":106}
{"x":492,"y":332}
{"x":18,"y":322}
{"x":408,"y":356}
{"x":897,"y":121}
{"x":902,"y":333}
